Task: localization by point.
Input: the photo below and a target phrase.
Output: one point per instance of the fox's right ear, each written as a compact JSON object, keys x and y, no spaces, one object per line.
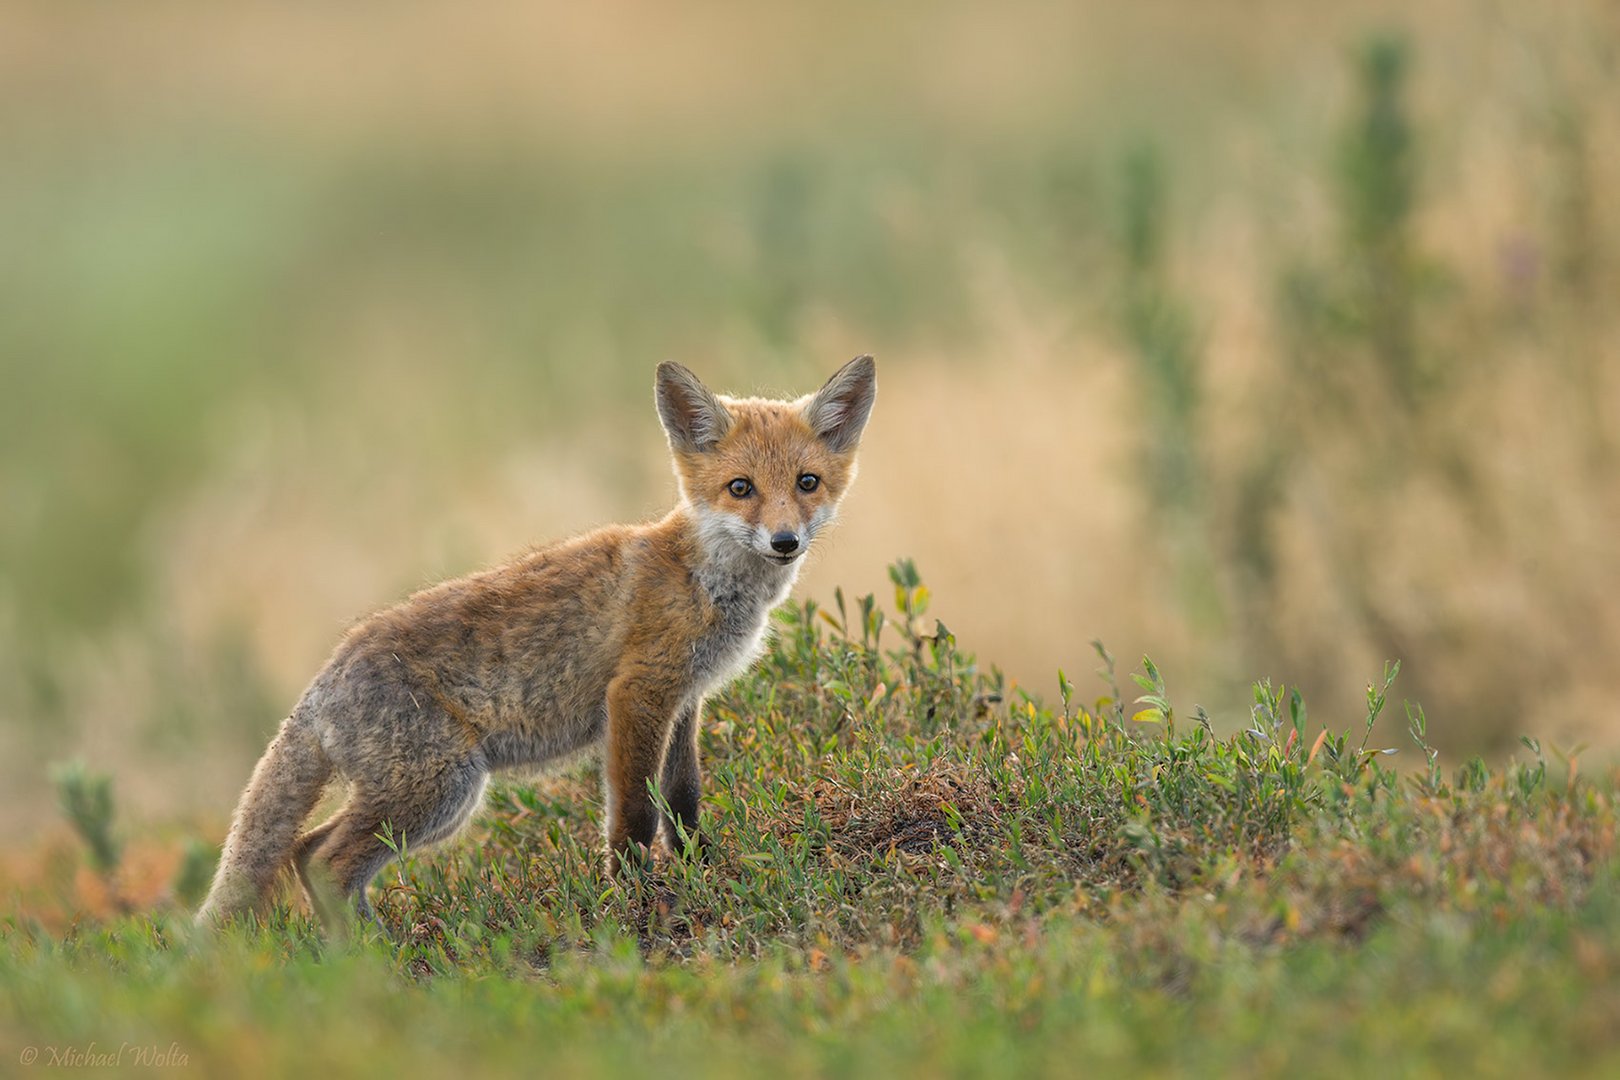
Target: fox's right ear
{"x":693,"y":418}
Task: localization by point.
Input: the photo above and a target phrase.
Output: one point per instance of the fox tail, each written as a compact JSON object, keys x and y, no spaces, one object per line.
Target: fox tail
{"x":286,"y":785}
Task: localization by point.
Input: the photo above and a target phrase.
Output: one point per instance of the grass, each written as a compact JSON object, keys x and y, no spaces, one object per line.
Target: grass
{"x":1270,"y":344}
{"x":921,"y":873}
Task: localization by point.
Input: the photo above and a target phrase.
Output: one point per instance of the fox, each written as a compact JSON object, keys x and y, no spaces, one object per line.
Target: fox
{"x":606,"y":643}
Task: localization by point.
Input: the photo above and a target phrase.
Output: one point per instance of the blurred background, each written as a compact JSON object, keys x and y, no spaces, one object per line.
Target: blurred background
{"x":1264,"y":338}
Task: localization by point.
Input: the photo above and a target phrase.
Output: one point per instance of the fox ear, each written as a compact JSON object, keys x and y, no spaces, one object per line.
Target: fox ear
{"x":693,"y":418}
{"x":838,"y":411}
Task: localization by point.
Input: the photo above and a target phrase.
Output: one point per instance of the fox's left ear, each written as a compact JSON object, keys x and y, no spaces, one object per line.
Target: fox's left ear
{"x":838,"y":411}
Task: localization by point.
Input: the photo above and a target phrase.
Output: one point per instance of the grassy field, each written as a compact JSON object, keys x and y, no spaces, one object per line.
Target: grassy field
{"x":917,"y":873}
{"x":1273,"y":344}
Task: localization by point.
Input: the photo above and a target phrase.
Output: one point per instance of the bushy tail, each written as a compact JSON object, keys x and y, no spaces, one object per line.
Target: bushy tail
{"x":286,"y":785}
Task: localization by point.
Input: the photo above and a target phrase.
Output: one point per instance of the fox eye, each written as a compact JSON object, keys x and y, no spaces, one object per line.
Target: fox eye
{"x":740,"y":488}
{"x":809,"y":481}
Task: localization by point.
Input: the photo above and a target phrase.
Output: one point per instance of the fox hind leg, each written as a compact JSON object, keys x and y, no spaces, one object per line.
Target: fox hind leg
{"x":306,"y":846}
{"x":358,"y":841}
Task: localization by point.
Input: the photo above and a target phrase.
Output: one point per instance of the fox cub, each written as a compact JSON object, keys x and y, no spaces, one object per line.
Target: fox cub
{"x":613,"y":637}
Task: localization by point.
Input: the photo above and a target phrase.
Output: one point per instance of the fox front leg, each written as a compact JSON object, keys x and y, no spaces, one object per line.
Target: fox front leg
{"x":639,"y":720}
{"x":682,"y":781}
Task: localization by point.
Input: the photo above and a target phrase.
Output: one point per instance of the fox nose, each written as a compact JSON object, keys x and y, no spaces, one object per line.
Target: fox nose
{"x":785,"y":542}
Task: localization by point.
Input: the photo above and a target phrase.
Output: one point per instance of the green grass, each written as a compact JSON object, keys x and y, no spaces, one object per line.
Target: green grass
{"x":920,"y":873}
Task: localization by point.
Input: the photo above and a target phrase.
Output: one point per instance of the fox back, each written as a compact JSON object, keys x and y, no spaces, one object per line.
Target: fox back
{"x":609,"y":640}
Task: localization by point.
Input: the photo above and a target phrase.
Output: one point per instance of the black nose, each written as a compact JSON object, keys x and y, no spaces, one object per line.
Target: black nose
{"x":785,"y":542}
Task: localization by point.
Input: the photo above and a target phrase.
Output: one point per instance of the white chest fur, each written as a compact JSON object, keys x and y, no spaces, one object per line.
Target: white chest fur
{"x":743,"y":591}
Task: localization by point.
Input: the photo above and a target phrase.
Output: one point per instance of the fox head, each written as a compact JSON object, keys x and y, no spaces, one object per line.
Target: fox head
{"x":763,"y":477}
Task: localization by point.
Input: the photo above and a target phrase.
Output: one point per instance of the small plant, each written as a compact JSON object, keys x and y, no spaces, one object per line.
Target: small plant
{"x":1418,"y":724}
{"x":86,"y":798}
{"x":191,"y":881}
